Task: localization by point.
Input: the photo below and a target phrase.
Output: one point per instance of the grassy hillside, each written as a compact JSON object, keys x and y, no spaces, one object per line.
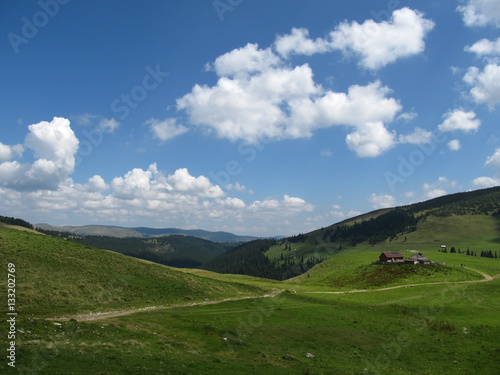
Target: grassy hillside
{"x":440,"y":328}
{"x":427,"y":330}
{"x":173,"y":250}
{"x":55,"y":276}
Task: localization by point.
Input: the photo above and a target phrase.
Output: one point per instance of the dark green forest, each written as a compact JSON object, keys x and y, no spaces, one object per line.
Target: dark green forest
{"x":249,"y":259}
{"x":15,"y":221}
{"x":175,"y":250}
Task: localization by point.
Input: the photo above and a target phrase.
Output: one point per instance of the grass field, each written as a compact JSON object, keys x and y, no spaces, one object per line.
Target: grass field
{"x":54,"y":275}
{"x":447,"y":328}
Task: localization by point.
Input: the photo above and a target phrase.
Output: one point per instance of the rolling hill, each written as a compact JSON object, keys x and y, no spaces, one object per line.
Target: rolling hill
{"x":144,"y":232}
{"x":469,"y":220}
{"x":173,"y":250}
{"x":83,"y":310}
{"x":56,"y":275}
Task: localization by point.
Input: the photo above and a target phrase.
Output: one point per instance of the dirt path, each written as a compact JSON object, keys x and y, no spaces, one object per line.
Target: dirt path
{"x":113,"y":314}
{"x":485,"y":275}
{"x":271,"y":294}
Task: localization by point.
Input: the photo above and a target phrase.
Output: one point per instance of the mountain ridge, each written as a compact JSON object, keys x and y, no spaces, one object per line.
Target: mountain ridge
{"x":462,"y":220}
{"x":146,"y":232}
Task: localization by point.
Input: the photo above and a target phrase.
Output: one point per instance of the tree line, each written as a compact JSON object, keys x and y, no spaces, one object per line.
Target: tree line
{"x":15,"y":221}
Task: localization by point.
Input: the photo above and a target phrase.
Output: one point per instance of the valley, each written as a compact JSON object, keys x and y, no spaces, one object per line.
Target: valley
{"x":84,"y":310}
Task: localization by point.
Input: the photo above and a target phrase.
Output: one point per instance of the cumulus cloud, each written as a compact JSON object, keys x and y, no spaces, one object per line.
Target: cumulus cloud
{"x":438,"y":188}
{"x":494,"y":160}
{"x":286,"y":206}
{"x":182,"y":181}
{"x":454,"y":145}
{"x":298,"y":42}
{"x":485,"y":84}
{"x":53,"y":145}
{"x":9,"y":152}
{"x":150,"y":195}
{"x":370,"y":140}
{"x":105,"y":125}
{"x":418,"y":136}
{"x":258,"y":100}
{"x":108,"y":125}
{"x":382,"y":201}
{"x":459,"y":120}
{"x":166,"y":129}
{"x":97,"y":183}
{"x":485,"y":47}
{"x":378,"y":44}
{"x":245,"y":60}
{"x":484,"y":182}
{"x":239,"y":187}
{"x":480,"y":12}
{"x":260,"y":96}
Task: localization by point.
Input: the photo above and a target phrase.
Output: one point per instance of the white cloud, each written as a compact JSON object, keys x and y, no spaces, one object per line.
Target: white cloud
{"x":480,"y":12}
{"x":166,"y":129}
{"x":288,"y":205}
{"x":298,"y":42}
{"x":245,"y":60}
{"x":54,"y":146}
{"x":239,"y":187}
{"x":326,"y":152}
{"x":382,"y":201}
{"x":182,"y":181}
{"x":485,"y":182}
{"x":370,"y":140}
{"x":438,"y":188}
{"x":485,"y":47}
{"x":459,"y":120}
{"x":407,"y":116}
{"x":494,"y":160}
{"x":454,"y":145}
{"x":379,"y":44}
{"x":485,"y":85}
{"x":97,"y":183}
{"x":8,"y":152}
{"x":434,"y":193}
{"x":262,"y":100}
{"x":417,"y":137}
{"x":108,"y":125}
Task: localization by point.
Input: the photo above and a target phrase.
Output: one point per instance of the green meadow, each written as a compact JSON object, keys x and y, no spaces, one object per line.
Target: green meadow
{"x":338,"y":318}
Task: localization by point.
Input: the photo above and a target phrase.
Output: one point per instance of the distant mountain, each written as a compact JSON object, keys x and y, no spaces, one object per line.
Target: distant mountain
{"x":144,"y":232}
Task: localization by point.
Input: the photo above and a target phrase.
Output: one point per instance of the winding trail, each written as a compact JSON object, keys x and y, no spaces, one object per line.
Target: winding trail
{"x":112,"y":314}
{"x":271,"y":294}
{"x":484,"y":274}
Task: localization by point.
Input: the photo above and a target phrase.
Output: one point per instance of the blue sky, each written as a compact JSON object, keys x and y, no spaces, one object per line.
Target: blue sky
{"x":254,"y":117}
